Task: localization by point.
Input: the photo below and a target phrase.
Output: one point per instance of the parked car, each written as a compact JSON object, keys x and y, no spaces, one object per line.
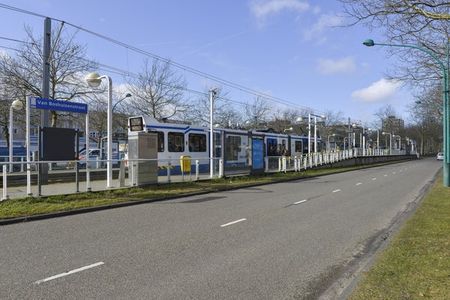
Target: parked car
{"x":94,"y":155}
{"x":440,"y":156}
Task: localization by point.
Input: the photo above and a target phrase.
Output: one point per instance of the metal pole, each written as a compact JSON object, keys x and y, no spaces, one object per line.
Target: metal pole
{"x":211,"y":133}
{"x":309,"y":134}
{"x":11,"y":158}
{"x":315,"y":134}
{"x":364,"y":140}
{"x":446,"y":129}
{"x":110,"y":135}
{"x":378,"y":139}
{"x":43,"y":168}
{"x":28,"y":143}
{"x":88,"y":172}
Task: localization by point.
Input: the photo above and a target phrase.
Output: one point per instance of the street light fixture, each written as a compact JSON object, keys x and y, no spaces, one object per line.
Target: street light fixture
{"x":15,"y":105}
{"x":444,"y":65}
{"x":299,"y":119}
{"x":128,"y":95}
{"x":212,"y":96}
{"x":94,"y":80}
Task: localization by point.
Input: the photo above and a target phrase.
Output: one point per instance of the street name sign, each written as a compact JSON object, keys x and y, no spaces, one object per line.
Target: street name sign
{"x":59,"y":105}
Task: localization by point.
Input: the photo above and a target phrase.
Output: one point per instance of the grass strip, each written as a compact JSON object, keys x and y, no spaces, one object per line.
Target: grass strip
{"x":416,"y":264}
{"x":30,"y":206}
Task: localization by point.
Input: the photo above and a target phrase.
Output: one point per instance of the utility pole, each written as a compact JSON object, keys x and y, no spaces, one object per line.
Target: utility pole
{"x":43,"y":174}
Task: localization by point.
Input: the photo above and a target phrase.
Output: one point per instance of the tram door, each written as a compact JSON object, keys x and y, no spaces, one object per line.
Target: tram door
{"x":257,"y":155}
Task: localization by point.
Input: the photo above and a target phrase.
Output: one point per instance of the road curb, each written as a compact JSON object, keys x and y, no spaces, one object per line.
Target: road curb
{"x":145,"y":201}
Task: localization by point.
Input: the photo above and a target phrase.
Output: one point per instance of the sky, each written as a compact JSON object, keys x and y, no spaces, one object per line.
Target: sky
{"x":297,"y":50}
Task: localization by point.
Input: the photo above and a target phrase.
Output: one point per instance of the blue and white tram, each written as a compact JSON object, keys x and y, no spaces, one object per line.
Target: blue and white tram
{"x":235,"y":147}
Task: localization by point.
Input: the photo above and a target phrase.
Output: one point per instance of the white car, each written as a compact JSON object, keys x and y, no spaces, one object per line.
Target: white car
{"x":440,"y":156}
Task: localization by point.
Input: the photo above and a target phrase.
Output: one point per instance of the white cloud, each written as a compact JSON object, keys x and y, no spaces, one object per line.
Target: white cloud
{"x":323,"y":23}
{"x":330,"y":66}
{"x":264,"y":8}
{"x":378,"y":91}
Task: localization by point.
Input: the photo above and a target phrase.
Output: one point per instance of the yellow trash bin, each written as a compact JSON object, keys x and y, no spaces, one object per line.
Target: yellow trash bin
{"x":185,"y":164}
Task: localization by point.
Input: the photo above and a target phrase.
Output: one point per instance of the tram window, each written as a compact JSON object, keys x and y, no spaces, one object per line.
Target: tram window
{"x":160,"y":141}
{"x":232,"y":146}
{"x":197,"y":142}
{"x":298,"y":146}
{"x":176,"y":141}
{"x":272,"y":147}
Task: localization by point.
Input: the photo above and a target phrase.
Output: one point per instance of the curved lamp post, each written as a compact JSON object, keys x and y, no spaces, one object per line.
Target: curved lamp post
{"x":94,"y":80}
{"x":15,"y":105}
{"x":445,"y":91}
{"x":127,"y":95}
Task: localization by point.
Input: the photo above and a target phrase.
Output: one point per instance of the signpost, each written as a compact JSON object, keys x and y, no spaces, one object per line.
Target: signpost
{"x":56,"y":105}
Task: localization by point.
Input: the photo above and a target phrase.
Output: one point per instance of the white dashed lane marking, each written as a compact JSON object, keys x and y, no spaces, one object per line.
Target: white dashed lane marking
{"x":301,"y":201}
{"x":69,"y":272}
{"x":335,"y":191}
{"x":234,"y":222}
{"x":359,"y":183}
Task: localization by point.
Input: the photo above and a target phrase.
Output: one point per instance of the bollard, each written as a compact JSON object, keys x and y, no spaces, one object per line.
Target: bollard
{"x":168,"y":171}
{"x":220,"y":168}
{"x":121,"y":173}
{"x":197,"y":170}
{"x":295,"y":164}
{"x":266,"y":161}
{"x":21,"y":165}
{"x":5,"y":184}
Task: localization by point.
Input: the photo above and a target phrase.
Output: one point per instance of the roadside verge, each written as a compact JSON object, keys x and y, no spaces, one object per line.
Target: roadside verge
{"x":416,"y":263}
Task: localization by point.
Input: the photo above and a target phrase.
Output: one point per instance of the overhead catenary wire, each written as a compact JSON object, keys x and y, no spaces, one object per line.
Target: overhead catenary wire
{"x":171,"y":62}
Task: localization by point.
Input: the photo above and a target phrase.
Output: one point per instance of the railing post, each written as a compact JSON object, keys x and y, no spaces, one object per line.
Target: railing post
{"x":220,"y":168}
{"x":5,"y":184}
{"x":121,"y":173}
{"x":168,"y":171}
{"x":266,"y":160}
{"x":21,"y":165}
{"x":197,"y":170}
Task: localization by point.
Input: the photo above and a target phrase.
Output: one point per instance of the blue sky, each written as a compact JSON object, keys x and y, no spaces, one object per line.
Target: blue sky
{"x":292,"y":49}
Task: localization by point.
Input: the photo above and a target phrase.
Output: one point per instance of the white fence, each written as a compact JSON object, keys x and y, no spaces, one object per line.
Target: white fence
{"x":20,"y":179}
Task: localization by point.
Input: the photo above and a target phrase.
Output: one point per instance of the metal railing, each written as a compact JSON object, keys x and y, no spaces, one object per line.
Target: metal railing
{"x":66,"y":177}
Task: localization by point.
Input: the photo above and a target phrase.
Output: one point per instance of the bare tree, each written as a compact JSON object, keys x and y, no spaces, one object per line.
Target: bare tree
{"x":158,"y":91}
{"x":22,"y":73}
{"x":257,"y":112}
{"x":425,"y":23}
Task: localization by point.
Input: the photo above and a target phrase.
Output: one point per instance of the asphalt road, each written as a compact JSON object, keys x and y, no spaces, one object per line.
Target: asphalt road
{"x":279,"y":241}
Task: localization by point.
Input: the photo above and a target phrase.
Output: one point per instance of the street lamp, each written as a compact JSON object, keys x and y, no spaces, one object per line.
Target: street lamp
{"x":212,"y":96}
{"x":128,"y":95}
{"x":94,"y":80}
{"x":445,"y":91}
{"x":16,"y":105}
{"x":323,"y":117}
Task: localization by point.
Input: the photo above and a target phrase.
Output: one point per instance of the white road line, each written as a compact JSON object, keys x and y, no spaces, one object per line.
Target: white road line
{"x":69,"y":273}
{"x":335,"y":191}
{"x":385,"y":175}
{"x":393,"y":173}
{"x":231,"y":223}
{"x":298,"y":202}
{"x":359,"y":183}
{"x":374,"y":178}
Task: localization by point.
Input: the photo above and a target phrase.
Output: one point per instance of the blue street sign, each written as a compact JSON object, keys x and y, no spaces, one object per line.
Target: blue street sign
{"x":58,"y":105}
